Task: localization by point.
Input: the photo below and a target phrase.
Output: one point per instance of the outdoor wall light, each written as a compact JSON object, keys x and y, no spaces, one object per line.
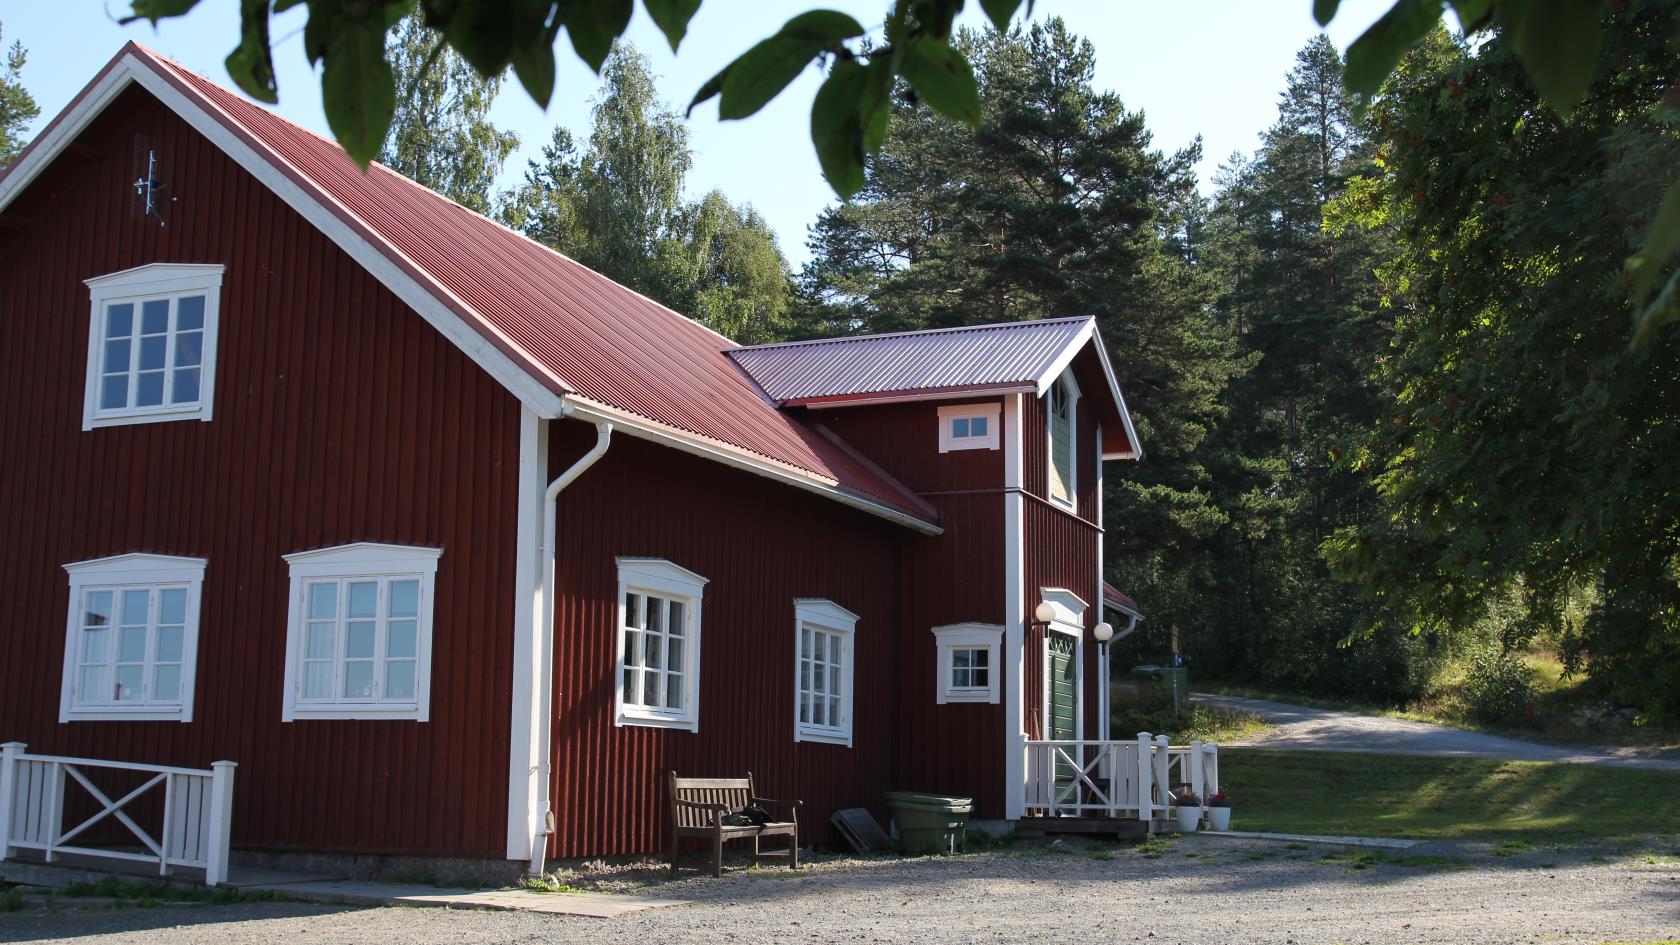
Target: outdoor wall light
{"x":1103,"y":632}
{"x":1045,"y":612}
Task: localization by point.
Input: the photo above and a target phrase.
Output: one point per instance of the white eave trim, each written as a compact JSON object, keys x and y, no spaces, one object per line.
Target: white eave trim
{"x":718,"y":451}
{"x":1089,"y":334}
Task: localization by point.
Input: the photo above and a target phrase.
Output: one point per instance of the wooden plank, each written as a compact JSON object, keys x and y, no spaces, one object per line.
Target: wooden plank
{"x":861,"y":830}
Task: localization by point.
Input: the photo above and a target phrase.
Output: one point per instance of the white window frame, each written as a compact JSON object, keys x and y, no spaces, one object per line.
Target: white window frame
{"x":949,"y":442}
{"x":129,"y":572}
{"x":143,"y":283}
{"x":825,"y":616}
{"x":1070,"y":503}
{"x":674,"y":582}
{"x":374,"y":562}
{"x":968,"y":636}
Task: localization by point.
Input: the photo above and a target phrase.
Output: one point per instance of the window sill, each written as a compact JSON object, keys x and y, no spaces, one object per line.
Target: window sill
{"x":649,"y":720}
{"x":119,"y":714}
{"x":823,"y":737}
{"x":971,"y":696}
{"x":151,"y":416}
{"x":407,"y":713}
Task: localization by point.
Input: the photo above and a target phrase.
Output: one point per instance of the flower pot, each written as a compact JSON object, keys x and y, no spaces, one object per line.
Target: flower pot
{"x":1188,"y":817}
{"x":1219,"y":818}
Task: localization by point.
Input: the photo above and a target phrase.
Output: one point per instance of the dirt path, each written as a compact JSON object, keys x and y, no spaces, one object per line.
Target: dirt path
{"x":1193,"y":891}
{"x":1331,"y":730}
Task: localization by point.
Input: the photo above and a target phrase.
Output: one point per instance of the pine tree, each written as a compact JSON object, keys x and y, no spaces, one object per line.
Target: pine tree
{"x":441,"y":135}
{"x":17,"y":106}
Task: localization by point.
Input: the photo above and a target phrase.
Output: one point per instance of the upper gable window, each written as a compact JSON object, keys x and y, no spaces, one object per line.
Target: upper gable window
{"x":132,"y":638}
{"x":359,"y":633}
{"x":152,"y":344}
{"x":658,"y":644}
{"x":1061,"y":404}
{"x":969,"y":427}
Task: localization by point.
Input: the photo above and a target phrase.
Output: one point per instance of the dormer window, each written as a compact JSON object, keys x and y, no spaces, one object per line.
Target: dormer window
{"x":969,"y":427}
{"x":1061,"y":404}
{"x":152,"y":344}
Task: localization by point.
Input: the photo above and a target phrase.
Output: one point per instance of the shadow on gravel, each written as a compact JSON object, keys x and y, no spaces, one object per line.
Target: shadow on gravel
{"x":33,"y":925}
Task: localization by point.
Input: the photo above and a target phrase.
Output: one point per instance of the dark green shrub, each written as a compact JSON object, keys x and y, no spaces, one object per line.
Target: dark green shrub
{"x":1499,"y":690}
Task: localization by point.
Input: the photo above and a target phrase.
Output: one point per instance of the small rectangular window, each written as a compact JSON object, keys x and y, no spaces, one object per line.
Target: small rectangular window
{"x":969,"y":427}
{"x":659,"y":605}
{"x":151,"y":344}
{"x":968,"y":660}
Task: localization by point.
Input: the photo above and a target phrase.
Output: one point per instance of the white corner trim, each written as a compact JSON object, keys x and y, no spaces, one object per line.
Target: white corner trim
{"x":374,"y":561}
{"x":967,"y":636}
{"x":823,"y":614}
{"x":949,"y":442}
{"x":117,"y":572}
{"x":1014,"y":610}
{"x":524,"y":752}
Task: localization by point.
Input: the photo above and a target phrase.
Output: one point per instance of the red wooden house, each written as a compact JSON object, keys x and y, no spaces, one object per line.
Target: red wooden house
{"x":457,"y":547}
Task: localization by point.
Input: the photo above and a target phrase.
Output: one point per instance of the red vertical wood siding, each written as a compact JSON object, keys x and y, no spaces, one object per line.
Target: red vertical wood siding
{"x":340,"y":416}
{"x":956,"y":577}
{"x":760,"y":545}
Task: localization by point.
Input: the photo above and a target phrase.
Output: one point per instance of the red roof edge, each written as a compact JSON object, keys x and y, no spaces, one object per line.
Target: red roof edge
{"x":1118,"y":599}
{"x":922,"y":507}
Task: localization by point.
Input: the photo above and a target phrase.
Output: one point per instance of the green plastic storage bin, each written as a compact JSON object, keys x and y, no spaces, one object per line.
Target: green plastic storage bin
{"x":930,"y":823}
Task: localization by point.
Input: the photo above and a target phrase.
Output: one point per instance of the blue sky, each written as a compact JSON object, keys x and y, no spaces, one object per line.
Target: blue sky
{"x":1208,"y":67}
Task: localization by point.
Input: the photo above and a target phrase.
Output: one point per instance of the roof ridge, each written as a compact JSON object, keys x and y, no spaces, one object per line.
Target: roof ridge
{"x":842,"y":339}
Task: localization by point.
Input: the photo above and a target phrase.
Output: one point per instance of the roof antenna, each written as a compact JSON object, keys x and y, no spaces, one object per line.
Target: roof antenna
{"x":149,"y":190}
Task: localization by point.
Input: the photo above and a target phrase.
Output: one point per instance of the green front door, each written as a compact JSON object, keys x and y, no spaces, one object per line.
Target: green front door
{"x":1064,"y":700}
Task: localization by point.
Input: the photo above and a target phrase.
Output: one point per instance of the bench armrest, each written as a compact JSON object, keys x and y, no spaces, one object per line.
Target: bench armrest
{"x":772,"y":800}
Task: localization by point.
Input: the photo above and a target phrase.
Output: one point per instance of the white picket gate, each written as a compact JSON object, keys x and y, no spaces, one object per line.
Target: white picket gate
{"x":197,"y":811}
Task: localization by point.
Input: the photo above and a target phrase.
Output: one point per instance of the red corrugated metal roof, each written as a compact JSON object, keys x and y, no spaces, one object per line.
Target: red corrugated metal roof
{"x":981,"y":357}
{"x":573,"y":329}
{"x":1114,"y":597}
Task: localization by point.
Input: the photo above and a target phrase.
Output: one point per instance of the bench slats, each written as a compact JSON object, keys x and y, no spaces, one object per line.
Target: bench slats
{"x":731,"y":794}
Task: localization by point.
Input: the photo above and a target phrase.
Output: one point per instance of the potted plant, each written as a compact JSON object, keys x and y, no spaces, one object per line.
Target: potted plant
{"x":1219,"y":811}
{"x":1189,"y":809}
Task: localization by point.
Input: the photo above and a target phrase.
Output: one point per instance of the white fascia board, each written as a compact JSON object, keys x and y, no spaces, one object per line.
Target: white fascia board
{"x":1089,"y":334}
{"x":427,"y":300}
{"x":718,"y":451}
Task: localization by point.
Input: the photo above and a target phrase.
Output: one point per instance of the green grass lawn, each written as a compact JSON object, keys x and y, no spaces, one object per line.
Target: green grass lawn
{"x":1324,"y":792}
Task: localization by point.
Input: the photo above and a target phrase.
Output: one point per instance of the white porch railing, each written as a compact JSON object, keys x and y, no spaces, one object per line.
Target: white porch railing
{"x":1117,"y":778}
{"x":196,"y":814}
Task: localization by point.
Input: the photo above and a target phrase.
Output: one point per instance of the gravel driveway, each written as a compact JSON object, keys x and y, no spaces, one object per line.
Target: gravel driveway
{"x":1330,"y":730}
{"x":1193,"y":890}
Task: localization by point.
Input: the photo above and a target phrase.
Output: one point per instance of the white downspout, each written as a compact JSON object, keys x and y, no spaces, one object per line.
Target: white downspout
{"x":545,"y":687}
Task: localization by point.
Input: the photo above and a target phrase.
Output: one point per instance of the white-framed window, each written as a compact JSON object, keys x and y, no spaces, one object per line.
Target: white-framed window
{"x":152,"y":344}
{"x":132,"y":638}
{"x":359,"y":632}
{"x":659,"y":605}
{"x":969,"y":427}
{"x":968,"y":664}
{"x":824,"y":657}
{"x":1061,"y":405}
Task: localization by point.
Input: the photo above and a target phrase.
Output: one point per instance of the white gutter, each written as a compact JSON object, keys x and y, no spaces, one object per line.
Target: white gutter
{"x":545,"y":644}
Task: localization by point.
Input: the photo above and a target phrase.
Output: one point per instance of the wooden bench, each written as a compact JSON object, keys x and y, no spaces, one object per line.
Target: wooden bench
{"x":698,"y":807}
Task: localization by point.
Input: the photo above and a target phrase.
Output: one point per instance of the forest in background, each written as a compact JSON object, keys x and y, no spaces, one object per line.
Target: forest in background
{"x":1397,"y":439}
